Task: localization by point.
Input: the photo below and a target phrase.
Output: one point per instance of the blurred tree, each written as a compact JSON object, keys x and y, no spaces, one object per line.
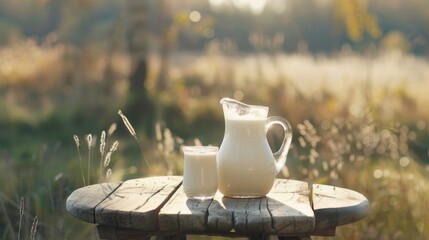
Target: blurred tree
{"x":138,"y":14}
{"x":168,"y":35}
{"x":179,"y":25}
{"x":357,"y":20}
{"x":140,"y":107}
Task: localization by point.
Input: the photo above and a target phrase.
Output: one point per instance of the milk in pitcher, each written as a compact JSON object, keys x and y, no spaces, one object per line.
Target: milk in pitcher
{"x":246,"y":168}
{"x":246,"y":165}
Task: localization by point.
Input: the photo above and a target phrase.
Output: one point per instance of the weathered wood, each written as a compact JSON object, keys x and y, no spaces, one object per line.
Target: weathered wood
{"x":183,"y":214}
{"x":157,"y":206}
{"x":135,"y":204}
{"x":106,"y":233}
{"x":82,"y":202}
{"x":111,"y":233}
{"x":220,"y":219}
{"x":285,"y":210}
{"x":289,"y":204}
{"x":324,"y":232}
{"x":294,"y":238}
{"x":259,"y":236}
{"x":334,"y":206}
{"x":250,"y":215}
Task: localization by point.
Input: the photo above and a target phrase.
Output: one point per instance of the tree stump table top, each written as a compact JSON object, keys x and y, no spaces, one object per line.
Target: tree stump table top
{"x":143,"y":207}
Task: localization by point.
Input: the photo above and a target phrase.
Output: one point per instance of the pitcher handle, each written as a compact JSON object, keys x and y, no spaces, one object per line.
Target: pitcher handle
{"x":281,"y":155}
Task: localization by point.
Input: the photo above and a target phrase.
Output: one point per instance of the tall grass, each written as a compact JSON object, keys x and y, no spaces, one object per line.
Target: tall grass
{"x":374,"y":141}
{"x":133,"y":133}
{"x":76,"y":140}
{"x":21,"y":214}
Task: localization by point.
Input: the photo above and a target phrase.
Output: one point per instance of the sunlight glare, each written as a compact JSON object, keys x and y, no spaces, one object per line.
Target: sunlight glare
{"x":378,"y":173}
{"x":216,"y":2}
{"x":240,"y":4}
{"x":404,"y":161}
{"x":195,"y":16}
{"x":278,"y":6}
{"x":255,"y":6}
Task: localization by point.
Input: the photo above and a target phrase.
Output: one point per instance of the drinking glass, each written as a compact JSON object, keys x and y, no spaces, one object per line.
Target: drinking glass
{"x":200,"y":172}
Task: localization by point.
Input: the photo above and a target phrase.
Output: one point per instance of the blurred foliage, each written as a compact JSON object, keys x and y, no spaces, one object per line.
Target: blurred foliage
{"x":395,"y":41}
{"x":360,"y":120}
{"x":331,"y":25}
{"x":370,"y":145}
{"x":356,"y":18}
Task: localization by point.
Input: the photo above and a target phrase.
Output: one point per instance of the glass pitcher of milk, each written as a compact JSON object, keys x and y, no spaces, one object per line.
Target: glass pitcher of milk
{"x":246,"y":165}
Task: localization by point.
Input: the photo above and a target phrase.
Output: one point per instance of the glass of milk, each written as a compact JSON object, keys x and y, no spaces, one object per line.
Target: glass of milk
{"x":200,"y":172}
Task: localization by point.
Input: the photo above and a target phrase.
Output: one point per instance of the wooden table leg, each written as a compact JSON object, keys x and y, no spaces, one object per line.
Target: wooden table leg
{"x":294,"y":238}
{"x":259,"y":237}
{"x":265,"y":237}
{"x":106,"y":233}
{"x":172,"y":237}
{"x":110,"y":233}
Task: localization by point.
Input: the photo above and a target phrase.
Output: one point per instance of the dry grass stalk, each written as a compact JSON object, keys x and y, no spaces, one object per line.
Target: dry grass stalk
{"x":34,"y":228}
{"x":112,"y":129}
{"x":108,"y":174}
{"x":76,"y":140}
{"x":102,"y":143}
{"x":107,"y":159}
{"x":102,"y":149}
{"x":114,"y":147}
{"x":127,"y":124}
{"x":133,"y":133}
{"x":109,"y":154}
{"x":89,"y":140}
{"x":168,"y":142}
{"x":6,"y":217}
{"x":158,"y":133}
{"x":21,"y":213}
{"x":309,"y":135}
{"x":197,"y":142}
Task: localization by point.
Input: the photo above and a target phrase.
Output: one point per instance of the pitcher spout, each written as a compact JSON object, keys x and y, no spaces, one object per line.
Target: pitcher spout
{"x":229,"y":102}
{"x":235,"y":109}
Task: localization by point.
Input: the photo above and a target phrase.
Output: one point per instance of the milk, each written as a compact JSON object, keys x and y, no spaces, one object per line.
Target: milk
{"x":200,"y":172}
{"x":246,"y":165}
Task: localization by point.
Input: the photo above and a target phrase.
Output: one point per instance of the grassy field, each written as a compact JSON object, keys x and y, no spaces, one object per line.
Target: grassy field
{"x":360,"y":122}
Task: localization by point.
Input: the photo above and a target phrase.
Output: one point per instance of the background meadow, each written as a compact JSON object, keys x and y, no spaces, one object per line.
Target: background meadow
{"x":351,"y":77}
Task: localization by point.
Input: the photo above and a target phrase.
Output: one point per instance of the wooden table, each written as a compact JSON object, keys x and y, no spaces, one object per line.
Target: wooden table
{"x":157,"y":206}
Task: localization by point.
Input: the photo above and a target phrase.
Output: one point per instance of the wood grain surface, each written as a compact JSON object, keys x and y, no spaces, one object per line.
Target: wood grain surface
{"x":82,"y":202}
{"x":285,"y":210}
{"x":183,"y":214}
{"x":159,"y":205}
{"x":136,"y":203}
{"x":334,"y":206}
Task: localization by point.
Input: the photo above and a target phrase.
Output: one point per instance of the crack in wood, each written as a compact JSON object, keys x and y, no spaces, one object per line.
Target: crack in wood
{"x":310,"y":195}
{"x":95,"y":207}
{"x":206,"y":214}
{"x":271,"y":215}
{"x":246,"y":215}
{"x":148,"y":198}
{"x":284,"y":226}
{"x":178,"y":220}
